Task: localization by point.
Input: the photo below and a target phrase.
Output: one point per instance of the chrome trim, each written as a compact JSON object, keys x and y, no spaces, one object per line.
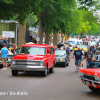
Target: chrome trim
{"x":27,"y":68}
{"x":25,"y":60}
{"x":89,"y":80}
{"x":93,"y":82}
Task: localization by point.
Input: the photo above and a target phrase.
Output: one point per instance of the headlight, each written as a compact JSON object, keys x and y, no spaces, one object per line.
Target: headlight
{"x":13,"y":62}
{"x":97,"y":78}
{"x":41,"y":63}
{"x":62,"y":60}
{"x":81,"y":74}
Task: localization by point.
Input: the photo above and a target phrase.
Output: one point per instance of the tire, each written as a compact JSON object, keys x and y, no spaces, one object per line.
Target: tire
{"x":51,"y":70}
{"x":94,"y":89}
{"x":14,"y":72}
{"x":44,"y":73}
{"x":67,"y":64}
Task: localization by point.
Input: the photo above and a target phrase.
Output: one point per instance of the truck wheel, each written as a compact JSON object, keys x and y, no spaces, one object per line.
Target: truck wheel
{"x":94,"y":89}
{"x":44,"y":73}
{"x":51,"y":70}
{"x":14,"y":72}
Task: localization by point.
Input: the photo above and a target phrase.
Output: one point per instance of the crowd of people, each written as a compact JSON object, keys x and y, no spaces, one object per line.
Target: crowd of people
{"x":79,"y":55}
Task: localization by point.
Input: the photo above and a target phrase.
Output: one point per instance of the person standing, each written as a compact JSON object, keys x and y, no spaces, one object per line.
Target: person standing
{"x":89,"y":59}
{"x":4,"y":52}
{"x":78,"y":57}
{"x":71,"y":49}
{"x":83,"y":56}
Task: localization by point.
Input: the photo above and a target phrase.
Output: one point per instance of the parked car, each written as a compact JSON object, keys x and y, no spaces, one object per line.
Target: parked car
{"x":2,"y":42}
{"x":62,"y":58}
{"x":91,"y":78}
{"x":34,"y":57}
{"x":10,"y":56}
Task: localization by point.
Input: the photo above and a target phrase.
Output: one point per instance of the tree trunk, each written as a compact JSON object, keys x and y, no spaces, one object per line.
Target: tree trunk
{"x":21,"y":34}
{"x":68,"y":35}
{"x":55,"y":40}
{"x":41,"y":29}
{"x":82,"y":36}
{"x":47,"y":38}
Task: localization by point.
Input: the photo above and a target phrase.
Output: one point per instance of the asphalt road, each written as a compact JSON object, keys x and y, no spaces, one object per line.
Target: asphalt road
{"x":63,"y":84}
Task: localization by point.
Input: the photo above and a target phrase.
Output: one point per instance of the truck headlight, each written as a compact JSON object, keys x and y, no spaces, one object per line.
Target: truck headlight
{"x":81,"y":74}
{"x":13,"y":62}
{"x":97,"y":78}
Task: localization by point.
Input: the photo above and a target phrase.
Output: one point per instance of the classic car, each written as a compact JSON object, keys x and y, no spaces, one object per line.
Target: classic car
{"x":10,"y":56}
{"x":34,"y":57}
{"x":62,"y":58}
{"x":91,"y":78}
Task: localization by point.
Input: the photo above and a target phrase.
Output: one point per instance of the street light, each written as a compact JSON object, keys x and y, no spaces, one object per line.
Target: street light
{"x":16,"y":32}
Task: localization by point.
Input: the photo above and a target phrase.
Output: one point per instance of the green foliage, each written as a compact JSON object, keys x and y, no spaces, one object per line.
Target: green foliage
{"x":31,"y":20}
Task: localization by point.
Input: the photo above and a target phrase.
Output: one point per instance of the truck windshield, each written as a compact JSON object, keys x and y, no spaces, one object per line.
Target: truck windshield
{"x":33,"y":50}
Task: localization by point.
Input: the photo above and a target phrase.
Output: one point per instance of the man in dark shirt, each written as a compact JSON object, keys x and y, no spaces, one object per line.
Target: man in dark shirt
{"x":89,"y":58}
{"x":78,"y":57}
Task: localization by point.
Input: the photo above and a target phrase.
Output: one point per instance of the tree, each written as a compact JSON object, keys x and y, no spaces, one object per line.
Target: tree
{"x":31,"y":20}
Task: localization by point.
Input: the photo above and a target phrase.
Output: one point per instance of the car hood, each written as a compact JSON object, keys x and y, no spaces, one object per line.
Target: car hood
{"x":91,"y":71}
{"x":30,"y":57}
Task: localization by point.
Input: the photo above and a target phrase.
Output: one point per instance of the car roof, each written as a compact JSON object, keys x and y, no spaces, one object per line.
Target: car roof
{"x":37,"y":45}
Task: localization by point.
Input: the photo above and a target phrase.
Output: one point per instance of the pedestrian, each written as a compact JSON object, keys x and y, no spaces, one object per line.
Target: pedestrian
{"x":13,"y":50}
{"x":4,"y":52}
{"x":93,"y":50}
{"x":97,"y":52}
{"x":78,"y":57}
{"x":83,"y":56}
{"x":71,"y":49}
{"x":67,"y":51}
{"x":89,"y":58}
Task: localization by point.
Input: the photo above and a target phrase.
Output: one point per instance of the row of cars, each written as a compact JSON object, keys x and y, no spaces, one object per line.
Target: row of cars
{"x":38,"y":57}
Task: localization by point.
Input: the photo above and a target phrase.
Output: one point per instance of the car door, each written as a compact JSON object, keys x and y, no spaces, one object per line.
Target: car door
{"x":49,"y":58}
{"x":52,"y":56}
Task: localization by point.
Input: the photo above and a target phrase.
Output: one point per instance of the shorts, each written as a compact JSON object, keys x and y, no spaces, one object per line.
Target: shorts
{"x":78,"y":62}
{"x":4,"y":60}
{"x":71,"y":50}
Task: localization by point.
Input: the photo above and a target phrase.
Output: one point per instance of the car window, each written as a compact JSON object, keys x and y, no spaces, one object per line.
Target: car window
{"x":52,"y":51}
{"x":33,"y":50}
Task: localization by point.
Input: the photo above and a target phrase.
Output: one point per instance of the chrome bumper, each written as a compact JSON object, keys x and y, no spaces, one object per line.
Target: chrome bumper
{"x":92,"y":83}
{"x":27,"y":68}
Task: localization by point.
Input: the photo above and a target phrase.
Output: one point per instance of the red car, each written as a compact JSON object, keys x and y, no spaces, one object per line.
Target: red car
{"x":34,"y":57}
{"x":91,"y":78}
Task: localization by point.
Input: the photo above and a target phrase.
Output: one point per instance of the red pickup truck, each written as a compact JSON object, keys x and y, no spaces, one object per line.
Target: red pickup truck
{"x":91,"y":78}
{"x":34,"y":57}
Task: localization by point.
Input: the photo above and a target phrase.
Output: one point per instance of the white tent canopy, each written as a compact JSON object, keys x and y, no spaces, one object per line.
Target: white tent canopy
{"x":74,"y":40}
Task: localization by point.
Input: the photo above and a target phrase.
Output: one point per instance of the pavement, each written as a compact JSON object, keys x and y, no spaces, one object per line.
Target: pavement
{"x":63,"y":84}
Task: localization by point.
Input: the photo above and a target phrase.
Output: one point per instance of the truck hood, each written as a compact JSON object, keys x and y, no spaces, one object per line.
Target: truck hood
{"x":30,"y":57}
{"x":91,"y":71}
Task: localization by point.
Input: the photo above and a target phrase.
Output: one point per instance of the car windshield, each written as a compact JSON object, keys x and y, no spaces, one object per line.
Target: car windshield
{"x":60,"y":53}
{"x":85,"y":47}
{"x":33,"y":50}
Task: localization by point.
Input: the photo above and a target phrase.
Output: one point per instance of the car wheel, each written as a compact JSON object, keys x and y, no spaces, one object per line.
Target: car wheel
{"x":14,"y":72}
{"x":51,"y":70}
{"x":94,"y":89}
{"x":67,"y":64}
{"x":44,"y":73}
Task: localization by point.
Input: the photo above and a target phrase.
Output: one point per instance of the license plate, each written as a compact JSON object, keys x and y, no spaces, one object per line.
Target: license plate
{"x":87,"y":83}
